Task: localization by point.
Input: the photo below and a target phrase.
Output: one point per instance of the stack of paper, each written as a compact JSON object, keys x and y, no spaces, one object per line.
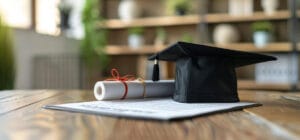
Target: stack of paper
{"x":160,"y":109}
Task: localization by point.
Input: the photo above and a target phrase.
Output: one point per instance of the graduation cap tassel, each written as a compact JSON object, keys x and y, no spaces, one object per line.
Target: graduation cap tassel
{"x":155,"y":75}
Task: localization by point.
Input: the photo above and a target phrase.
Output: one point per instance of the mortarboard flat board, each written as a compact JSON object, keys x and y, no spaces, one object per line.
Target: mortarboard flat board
{"x":204,"y":73}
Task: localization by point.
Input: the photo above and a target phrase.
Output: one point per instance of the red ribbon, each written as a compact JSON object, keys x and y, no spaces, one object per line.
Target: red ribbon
{"x":116,"y":77}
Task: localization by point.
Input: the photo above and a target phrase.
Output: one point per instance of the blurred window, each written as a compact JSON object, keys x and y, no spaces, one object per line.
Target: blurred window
{"x":16,"y":13}
{"x":47,"y":17}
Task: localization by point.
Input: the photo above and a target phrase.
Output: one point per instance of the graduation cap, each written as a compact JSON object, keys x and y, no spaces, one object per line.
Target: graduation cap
{"x":204,"y":73}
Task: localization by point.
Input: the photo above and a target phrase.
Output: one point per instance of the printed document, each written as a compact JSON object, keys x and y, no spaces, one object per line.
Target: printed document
{"x":152,"y":108}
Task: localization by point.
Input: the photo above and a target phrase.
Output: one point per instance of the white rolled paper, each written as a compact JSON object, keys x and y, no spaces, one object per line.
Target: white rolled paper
{"x":115,"y":90}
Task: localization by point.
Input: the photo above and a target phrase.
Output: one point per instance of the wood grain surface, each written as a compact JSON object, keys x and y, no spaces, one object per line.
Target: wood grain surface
{"x":278,"y":118}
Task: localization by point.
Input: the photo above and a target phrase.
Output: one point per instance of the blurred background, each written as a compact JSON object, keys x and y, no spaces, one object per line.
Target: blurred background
{"x":71,"y":44}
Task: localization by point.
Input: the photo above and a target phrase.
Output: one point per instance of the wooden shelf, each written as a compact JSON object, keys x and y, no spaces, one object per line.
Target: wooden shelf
{"x":151,"y":49}
{"x":252,"y":85}
{"x":194,"y":19}
{"x":223,"y":17}
{"x":126,"y":50}
{"x":250,"y":47}
{"x":153,"y":21}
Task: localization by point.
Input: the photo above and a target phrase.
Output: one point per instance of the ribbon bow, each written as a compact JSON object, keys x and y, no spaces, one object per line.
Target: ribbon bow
{"x":116,"y":77}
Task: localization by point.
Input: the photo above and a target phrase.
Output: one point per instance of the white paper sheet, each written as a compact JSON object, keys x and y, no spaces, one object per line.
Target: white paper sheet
{"x":160,"y":109}
{"x":114,"y":90}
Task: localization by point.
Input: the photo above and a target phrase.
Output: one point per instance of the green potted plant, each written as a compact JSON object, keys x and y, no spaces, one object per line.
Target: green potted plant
{"x":7,"y":65}
{"x":187,"y":38}
{"x":262,"y":33}
{"x":135,"y":38}
{"x":160,"y":36}
{"x":178,"y":7}
{"x":95,"y":37}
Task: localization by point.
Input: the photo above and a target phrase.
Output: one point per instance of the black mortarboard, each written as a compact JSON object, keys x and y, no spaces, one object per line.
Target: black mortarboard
{"x":204,"y":73}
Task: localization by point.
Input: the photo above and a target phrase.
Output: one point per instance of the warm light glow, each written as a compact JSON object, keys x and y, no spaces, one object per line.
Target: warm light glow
{"x":16,"y":13}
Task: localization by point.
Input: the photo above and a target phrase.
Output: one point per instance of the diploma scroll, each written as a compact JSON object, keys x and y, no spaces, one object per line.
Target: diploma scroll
{"x":115,"y":90}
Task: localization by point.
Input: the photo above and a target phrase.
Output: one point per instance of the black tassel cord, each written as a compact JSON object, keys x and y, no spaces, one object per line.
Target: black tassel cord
{"x":155,"y":75}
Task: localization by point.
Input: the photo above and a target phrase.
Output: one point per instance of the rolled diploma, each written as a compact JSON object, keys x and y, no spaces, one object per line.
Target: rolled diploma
{"x":114,"y":90}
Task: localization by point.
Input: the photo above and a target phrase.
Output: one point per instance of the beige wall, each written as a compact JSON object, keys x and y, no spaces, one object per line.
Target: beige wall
{"x":29,"y":44}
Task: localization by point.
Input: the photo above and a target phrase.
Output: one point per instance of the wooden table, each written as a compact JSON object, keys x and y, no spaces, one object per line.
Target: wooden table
{"x":22,"y":117}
